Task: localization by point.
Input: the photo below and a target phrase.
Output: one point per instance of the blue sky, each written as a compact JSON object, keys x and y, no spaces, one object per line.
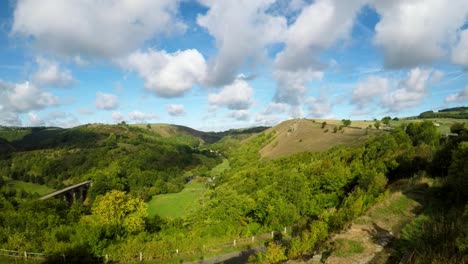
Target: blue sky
{"x":221,"y":64}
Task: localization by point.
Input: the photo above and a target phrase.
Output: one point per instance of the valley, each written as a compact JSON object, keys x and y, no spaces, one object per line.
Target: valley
{"x":303,"y":190}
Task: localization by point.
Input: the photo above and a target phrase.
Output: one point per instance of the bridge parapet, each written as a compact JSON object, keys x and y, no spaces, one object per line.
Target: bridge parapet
{"x":72,"y":193}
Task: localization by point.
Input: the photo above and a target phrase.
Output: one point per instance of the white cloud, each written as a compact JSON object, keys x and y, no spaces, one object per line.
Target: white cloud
{"x":318,"y":107}
{"x":175,"y":109}
{"x":275,"y":108}
{"x":417,"y":32}
{"x":242,"y":30}
{"x":167,"y":74}
{"x":85,"y":111}
{"x":369,"y":89}
{"x":141,"y":117}
{"x":235,"y":96}
{"x":460,"y":50}
{"x":105,"y":28}
{"x":117,"y":117}
{"x":267,"y":120}
{"x":292,"y":85}
{"x":319,"y":26}
{"x":411,"y":90}
{"x":61,"y":119}
{"x":35,"y":120}
{"x":461,"y":96}
{"x":50,"y":74}
{"x":106,"y":101}
{"x":24,"y":97}
{"x":241,"y":115}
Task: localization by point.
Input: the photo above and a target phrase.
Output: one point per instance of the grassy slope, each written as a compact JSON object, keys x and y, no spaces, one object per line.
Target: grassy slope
{"x":444,"y":123}
{"x":381,"y":224}
{"x":174,"y":205}
{"x":30,"y":187}
{"x":299,"y":135}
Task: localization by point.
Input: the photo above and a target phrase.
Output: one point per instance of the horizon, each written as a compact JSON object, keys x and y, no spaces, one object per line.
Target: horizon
{"x":220,"y":65}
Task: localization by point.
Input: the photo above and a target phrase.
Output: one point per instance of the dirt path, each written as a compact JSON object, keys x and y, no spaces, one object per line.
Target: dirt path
{"x":369,"y":238}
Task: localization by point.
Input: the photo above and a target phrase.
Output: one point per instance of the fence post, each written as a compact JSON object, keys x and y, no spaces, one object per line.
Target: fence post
{"x":272,"y":234}
{"x":285,"y":230}
{"x":177,"y":251}
{"x":107,"y":258}
{"x":253,"y":238}
{"x":234,"y":242}
{"x":26,"y":255}
{"x":141,"y":256}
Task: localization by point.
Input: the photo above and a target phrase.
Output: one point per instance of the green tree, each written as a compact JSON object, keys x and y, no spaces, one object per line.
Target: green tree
{"x":324,"y":124}
{"x":457,"y":128}
{"x":377,"y":124}
{"x":346,"y":122}
{"x":118,"y":210}
{"x":458,"y":171}
{"x":386,"y":120}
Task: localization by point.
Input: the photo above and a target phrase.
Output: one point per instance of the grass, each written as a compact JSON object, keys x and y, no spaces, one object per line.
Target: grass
{"x":177,"y":205}
{"x":30,"y":187}
{"x":346,"y":248}
{"x":444,"y":123}
{"x":13,"y":134}
{"x":299,"y":135}
{"x":220,"y":168}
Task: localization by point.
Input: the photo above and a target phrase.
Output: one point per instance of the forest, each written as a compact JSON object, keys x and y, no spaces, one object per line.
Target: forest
{"x":318,"y":193}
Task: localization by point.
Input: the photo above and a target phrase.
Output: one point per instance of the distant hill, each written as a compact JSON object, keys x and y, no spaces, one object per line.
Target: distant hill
{"x":49,"y":137}
{"x":299,"y":135}
{"x":456,"y":112}
{"x":192,"y":136}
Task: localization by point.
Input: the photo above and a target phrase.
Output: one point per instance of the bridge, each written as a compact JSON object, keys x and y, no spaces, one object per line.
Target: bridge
{"x":72,"y":193}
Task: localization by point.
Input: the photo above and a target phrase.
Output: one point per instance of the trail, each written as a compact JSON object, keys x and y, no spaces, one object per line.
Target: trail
{"x":378,"y":228}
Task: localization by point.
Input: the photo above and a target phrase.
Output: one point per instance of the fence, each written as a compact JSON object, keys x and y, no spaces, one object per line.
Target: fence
{"x":202,"y":251}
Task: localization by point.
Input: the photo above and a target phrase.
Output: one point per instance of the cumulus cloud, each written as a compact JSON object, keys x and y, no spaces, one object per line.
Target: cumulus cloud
{"x":49,"y":73}
{"x":235,"y":96}
{"x":104,"y":28}
{"x":242,"y":30}
{"x":167,"y":74}
{"x":275,"y":108}
{"x":117,"y":117}
{"x":411,"y":90}
{"x":412,"y":33}
{"x":175,"y":109}
{"x":460,"y":51}
{"x":85,"y":111}
{"x":24,"y":97}
{"x":106,"y":101}
{"x":369,"y":89}
{"x":318,"y":107}
{"x":241,"y":115}
{"x":141,"y":117}
{"x":461,"y":96}
{"x":319,"y":26}
{"x":34,"y":120}
{"x":291,"y":85}
{"x":267,"y":120}
{"x":61,"y":119}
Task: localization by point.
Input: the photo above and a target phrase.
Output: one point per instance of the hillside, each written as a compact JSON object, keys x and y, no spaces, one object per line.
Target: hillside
{"x":195,"y":137}
{"x":299,"y":135}
{"x":456,"y":112}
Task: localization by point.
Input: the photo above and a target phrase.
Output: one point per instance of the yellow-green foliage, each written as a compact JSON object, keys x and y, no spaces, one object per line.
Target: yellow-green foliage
{"x":117,"y":209}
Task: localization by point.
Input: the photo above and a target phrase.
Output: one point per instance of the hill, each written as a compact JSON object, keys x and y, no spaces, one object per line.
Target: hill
{"x":456,"y":112}
{"x":195,"y":137}
{"x":299,"y":135}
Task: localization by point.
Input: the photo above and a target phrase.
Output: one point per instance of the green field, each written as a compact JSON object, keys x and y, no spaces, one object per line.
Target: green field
{"x":30,"y":187}
{"x":175,"y":205}
{"x":443,"y":123}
